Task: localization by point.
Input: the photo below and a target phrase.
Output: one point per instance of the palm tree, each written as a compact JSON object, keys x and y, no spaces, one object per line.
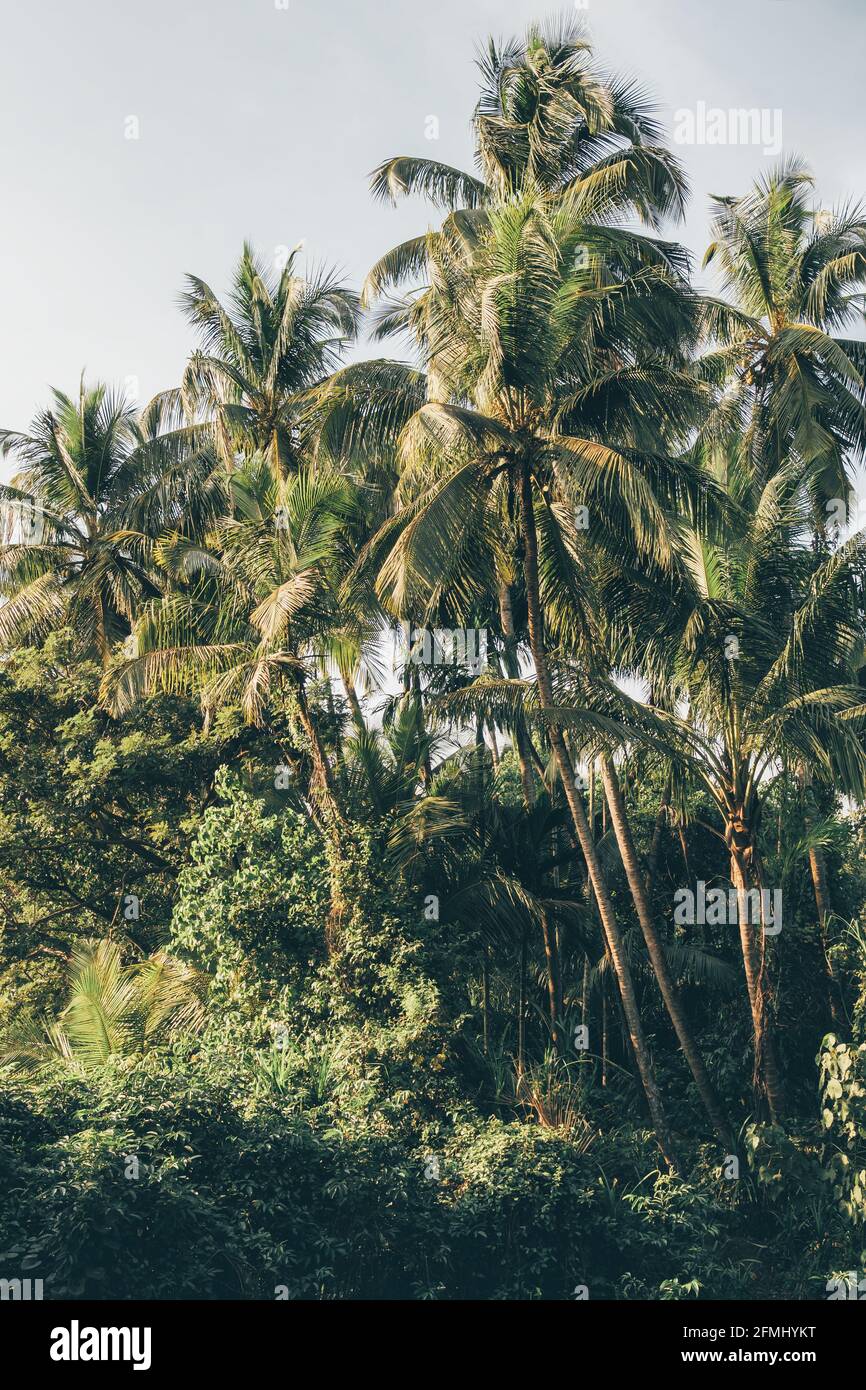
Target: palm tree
{"x":761,"y":637}
{"x":102,"y":480}
{"x":540,"y":365}
{"x":252,"y":607}
{"x":280,"y":337}
{"x":546,"y":118}
{"x":797,"y":274}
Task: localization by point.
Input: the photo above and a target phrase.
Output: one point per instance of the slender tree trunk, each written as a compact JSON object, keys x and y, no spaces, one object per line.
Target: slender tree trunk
{"x":485,"y":991}
{"x":554,"y":996}
{"x":354,"y":702}
{"x":521,"y":1007}
{"x":581,"y":826}
{"x":361,"y":727}
{"x":681,"y":834}
{"x":494,"y":748}
{"x":655,"y":951}
{"x":657,"y":840}
{"x":102,"y":647}
{"x":818,"y":870}
{"x":338,"y":744}
{"x":506,"y":618}
{"x":323,"y":778}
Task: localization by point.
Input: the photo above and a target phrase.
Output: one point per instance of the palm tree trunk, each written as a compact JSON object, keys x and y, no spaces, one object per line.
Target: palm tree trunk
{"x":494,"y":747}
{"x":766,"y":1080}
{"x":551,"y":956}
{"x":661,"y":817}
{"x":582,"y":830}
{"x":354,"y":702}
{"x":818,"y":870}
{"x":603,"y":1030}
{"x":655,"y":951}
{"x":506,"y":618}
{"x":322,"y":782}
{"x":685,"y":849}
{"x":485,"y":992}
{"x":102,"y":647}
{"x":338,"y":741}
{"x":521,"y":1007}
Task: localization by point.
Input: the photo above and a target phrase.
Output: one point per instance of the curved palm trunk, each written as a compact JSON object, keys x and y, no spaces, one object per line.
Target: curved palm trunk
{"x":354,"y":702}
{"x":655,"y":951}
{"x":610,"y":925}
{"x":746,"y":880}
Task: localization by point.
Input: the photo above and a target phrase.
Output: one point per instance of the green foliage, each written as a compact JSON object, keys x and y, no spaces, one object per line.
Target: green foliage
{"x":95,"y":816}
{"x":252,"y":909}
{"x":843,"y":1096}
{"x":233,"y":1197}
{"x":114,"y":1009}
{"x":346,"y":1000}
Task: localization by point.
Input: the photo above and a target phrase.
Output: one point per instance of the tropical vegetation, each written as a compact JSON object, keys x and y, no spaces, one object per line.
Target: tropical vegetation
{"x":433,"y":791}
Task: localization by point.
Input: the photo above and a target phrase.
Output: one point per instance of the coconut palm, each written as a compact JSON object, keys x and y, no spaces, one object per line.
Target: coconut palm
{"x":798,"y":275}
{"x":100,"y":480}
{"x":280,"y":336}
{"x":252,"y":606}
{"x":546,"y":117}
{"x":761,"y":638}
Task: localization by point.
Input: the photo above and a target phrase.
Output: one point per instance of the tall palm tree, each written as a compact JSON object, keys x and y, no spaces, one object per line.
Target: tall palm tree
{"x":546,"y":117}
{"x":549,"y":378}
{"x":104,"y":480}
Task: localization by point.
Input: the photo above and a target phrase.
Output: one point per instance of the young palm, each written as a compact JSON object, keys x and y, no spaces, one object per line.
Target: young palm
{"x":252,"y":607}
{"x":280,"y":336}
{"x":114,"y":1010}
{"x":798,"y":274}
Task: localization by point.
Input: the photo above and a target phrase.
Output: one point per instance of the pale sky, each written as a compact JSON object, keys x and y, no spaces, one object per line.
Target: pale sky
{"x":263,"y":122}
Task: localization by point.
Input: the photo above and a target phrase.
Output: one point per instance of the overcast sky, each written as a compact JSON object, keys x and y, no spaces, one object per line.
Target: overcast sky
{"x":263,"y":122}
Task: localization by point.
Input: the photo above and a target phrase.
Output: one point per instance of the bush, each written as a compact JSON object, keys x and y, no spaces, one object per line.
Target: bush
{"x":172,"y":1178}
